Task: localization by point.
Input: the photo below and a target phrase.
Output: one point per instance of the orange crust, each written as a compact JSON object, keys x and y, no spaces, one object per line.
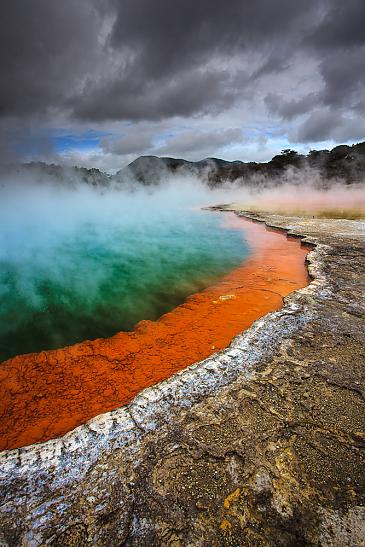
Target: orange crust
{"x":44,"y":395}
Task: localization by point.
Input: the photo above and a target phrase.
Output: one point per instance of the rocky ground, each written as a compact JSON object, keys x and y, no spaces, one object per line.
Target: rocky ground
{"x":261,"y":444}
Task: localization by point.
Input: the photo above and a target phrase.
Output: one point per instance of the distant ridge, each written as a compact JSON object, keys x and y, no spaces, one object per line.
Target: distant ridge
{"x":44,"y":172}
{"x":344,"y":162}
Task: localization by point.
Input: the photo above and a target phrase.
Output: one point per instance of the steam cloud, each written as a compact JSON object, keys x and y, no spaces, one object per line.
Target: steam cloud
{"x":79,"y":262}
{"x":61,"y":241}
{"x":304,"y":191}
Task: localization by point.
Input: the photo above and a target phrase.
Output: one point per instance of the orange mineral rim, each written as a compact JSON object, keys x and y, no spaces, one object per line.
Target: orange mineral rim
{"x":44,"y":395}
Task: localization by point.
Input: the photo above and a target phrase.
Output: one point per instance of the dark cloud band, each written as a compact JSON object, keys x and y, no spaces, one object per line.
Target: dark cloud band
{"x":106,"y":60}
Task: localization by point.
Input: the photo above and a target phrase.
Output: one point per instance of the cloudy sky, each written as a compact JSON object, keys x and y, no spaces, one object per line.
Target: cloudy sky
{"x":100,"y":82}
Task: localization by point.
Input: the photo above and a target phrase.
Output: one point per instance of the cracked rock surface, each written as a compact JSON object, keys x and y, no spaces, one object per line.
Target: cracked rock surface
{"x":261,"y":444}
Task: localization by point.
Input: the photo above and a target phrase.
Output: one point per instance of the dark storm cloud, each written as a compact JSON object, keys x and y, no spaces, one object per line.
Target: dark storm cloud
{"x":173,"y":55}
{"x":290,"y":109}
{"x":136,"y":143}
{"x":338,"y":42}
{"x":136,"y":98}
{"x":203,"y":143}
{"x":322,"y":123}
{"x":186,"y":143}
{"x":344,"y":75}
{"x":95,"y":61}
{"x":46,"y":49}
{"x":170,"y":36}
{"x":342,"y":25}
{"x":154,"y":52}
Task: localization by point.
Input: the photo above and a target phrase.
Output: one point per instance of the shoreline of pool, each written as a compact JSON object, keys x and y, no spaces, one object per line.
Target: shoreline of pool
{"x":58,"y":390}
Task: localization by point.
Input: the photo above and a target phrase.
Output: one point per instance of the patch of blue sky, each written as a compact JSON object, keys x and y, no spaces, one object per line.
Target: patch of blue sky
{"x":87,"y":140}
{"x":162,"y":138}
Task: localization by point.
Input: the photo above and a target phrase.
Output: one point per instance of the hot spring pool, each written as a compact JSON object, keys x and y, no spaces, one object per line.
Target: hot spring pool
{"x":83,"y":266}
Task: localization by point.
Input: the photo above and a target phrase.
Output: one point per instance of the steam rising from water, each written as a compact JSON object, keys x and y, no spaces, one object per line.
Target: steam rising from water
{"x":79,"y":263}
{"x":339,"y":201}
{"x":301,"y":191}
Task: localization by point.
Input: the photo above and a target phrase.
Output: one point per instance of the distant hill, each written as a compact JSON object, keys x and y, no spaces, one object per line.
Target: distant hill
{"x":343,"y":161}
{"x":58,"y":174}
{"x":151,"y":170}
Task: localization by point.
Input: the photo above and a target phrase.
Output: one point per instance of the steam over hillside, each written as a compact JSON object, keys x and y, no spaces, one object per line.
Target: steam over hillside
{"x":321,"y":168}
{"x":330,"y":183}
{"x":345,"y":163}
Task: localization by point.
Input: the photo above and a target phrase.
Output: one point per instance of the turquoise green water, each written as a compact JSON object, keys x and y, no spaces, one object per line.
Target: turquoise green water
{"x":70,"y":272}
